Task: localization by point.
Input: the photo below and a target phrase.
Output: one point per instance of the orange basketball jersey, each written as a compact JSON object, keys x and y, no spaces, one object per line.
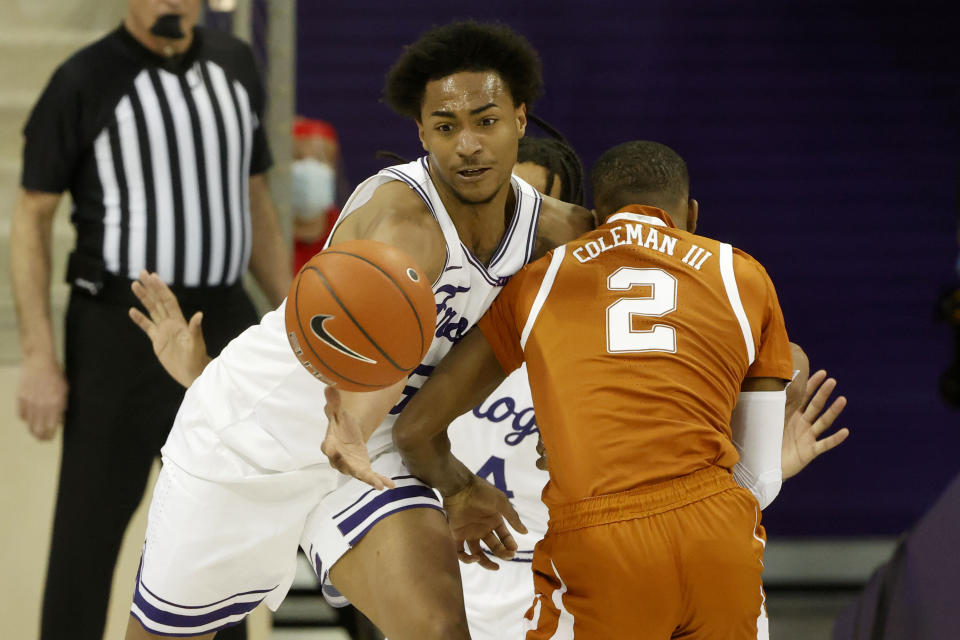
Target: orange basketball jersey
{"x":637,"y":337}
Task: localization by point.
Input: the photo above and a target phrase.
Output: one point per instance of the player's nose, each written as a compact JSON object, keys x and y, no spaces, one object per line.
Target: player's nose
{"x":468,"y":143}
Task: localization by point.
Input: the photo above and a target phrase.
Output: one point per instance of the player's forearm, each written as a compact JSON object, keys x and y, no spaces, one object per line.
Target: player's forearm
{"x":370,"y":408}
{"x":30,"y":240}
{"x":435,"y":464}
{"x":269,"y":257}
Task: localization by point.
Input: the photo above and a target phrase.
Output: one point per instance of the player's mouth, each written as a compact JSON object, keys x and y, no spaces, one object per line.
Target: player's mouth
{"x":473,"y":174}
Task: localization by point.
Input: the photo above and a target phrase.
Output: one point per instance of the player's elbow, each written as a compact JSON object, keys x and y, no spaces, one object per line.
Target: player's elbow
{"x":406,"y":438}
{"x":767,"y":487}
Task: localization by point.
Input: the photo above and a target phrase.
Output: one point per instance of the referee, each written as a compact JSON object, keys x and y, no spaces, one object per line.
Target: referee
{"x":155,"y":130}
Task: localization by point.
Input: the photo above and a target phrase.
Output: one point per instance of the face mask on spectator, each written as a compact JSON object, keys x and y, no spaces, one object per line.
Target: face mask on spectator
{"x":314,"y":188}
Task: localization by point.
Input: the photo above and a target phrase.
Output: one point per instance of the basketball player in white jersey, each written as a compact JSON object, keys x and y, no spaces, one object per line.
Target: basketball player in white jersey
{"x":498,"y":439}
{"x":245,"y":479}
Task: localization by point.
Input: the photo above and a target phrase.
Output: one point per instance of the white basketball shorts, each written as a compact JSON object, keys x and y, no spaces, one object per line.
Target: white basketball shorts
{"x":347,"y":513}
{"x":496,"y":601}
{"x":215,"y":550}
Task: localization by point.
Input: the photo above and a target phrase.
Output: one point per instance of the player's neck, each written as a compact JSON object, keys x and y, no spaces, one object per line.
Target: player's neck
{"x":480,"y":225}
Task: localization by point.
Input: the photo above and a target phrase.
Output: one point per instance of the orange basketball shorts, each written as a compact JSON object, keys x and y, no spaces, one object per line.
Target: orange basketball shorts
{"x":679,"y":559}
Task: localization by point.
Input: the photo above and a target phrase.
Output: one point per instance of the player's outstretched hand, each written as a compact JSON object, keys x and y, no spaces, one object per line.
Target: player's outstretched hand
{"x":345,"y":445}
{"x":476,"y":514}
{"x":179,"y":346}
{"x":808,"y":422}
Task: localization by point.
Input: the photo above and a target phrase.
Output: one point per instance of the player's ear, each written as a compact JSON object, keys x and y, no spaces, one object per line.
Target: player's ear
{"x":522,"y":118}
{"x":423,"y":143}
{"x":693,"y":210}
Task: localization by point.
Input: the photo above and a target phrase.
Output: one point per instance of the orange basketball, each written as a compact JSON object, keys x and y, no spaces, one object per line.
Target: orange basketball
{"x":360,"y":315}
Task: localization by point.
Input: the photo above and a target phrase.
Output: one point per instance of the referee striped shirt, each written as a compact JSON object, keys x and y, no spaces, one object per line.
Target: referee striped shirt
{"x":156,"y":153}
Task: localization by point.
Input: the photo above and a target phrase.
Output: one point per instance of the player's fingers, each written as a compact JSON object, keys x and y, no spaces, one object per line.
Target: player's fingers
{"x":194,"y":325}
{"x":464,"y":554}
{"x":481,"y":558}
{"x":142,"y":321}
{"x":827,"y":418}
{"x":513,"y":517}
{"x":151,"y":295}
{"x":506,"y":538}
{"x":374,"y":479}
{"x":813,"y":382}
{"x":497,"y":547}
{"x":819,"y":400}
{"x":831,"y":441}
{"x":144,"y":297}
{"x":165,"y":298}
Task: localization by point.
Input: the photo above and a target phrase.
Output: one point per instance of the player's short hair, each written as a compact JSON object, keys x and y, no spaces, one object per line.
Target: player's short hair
{"x":463,"y":46}
{"x":560,"y":160}
{"x":638,"y":168}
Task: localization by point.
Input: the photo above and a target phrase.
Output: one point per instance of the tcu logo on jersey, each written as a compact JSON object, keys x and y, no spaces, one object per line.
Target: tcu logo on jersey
{"x":524,"y":422}
{"x":448,"y":325}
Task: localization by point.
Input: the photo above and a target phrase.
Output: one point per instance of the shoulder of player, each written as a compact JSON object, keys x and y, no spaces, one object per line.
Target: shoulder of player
{"x":749,"y":272}
{"x":396,"y":215}
{"x":560,"y":222}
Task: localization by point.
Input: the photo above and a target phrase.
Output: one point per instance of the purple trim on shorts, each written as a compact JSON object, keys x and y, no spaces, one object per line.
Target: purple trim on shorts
{"x":382,"y":500}
{"x":168,"y":618}
{"x":425,"y":505}
{"x":366,"y":493}
{"x":140,"y":584}
{"x":190,"y":634}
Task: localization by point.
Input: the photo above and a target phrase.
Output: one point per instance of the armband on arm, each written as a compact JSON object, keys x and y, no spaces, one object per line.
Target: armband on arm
{"x":757,"y":425}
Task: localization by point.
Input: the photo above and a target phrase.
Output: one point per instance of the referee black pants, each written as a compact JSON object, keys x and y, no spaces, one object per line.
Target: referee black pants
{"x":121,"y":406}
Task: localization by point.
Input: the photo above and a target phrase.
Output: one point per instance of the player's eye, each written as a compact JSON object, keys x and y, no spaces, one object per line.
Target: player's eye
{"x":488,"y":122}
{"x":444,"y":128}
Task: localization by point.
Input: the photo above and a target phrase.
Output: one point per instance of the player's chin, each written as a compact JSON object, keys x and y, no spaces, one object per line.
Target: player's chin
{"x":479,"y":193}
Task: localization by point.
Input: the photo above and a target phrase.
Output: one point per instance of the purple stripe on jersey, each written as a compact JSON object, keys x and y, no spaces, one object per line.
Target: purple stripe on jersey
{"x":472,"y":259}
{"x":424,"y":505}
{"x":171,"y":619}
{"x":508,"y":233}
{"x":383,"y":499}
{"x":366,"y":493}
{"x":413,"y":184}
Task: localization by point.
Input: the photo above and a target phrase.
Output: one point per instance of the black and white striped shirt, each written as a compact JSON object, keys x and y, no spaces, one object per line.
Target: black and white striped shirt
{"x":156,"y":154}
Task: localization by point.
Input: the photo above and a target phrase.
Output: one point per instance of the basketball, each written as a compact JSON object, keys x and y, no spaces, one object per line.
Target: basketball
{"x":360,"y":315}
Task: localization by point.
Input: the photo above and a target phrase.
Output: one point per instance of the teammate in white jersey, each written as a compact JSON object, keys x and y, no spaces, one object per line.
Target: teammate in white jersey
{"x":245,"y":479}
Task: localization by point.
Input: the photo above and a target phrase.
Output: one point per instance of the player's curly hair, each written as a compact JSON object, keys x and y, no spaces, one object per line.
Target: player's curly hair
{"x":463,"y":46}
{"x":560,"y":160}
{"x":638,"y":168}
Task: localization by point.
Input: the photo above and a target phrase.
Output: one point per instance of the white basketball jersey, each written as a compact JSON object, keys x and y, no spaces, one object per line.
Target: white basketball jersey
{"x":498,"y":442}
{"x":256,"y":399}
{"x":466,"y":287}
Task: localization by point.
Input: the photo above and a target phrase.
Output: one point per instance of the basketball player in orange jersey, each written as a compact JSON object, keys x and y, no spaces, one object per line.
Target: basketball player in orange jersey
{"x":245,"y":480}
{"x":640,"y":340}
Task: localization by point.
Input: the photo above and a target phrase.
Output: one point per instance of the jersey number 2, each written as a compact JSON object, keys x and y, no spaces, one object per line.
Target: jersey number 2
{"x":621,"y":336}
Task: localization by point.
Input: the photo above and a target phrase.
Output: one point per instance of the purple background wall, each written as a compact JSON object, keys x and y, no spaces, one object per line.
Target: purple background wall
{"x":822,"y":137}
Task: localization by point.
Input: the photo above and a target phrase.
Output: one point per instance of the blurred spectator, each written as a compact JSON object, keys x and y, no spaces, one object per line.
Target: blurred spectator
{"x":315,"y":178}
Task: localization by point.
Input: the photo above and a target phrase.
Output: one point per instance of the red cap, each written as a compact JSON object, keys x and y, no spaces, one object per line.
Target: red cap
{"x":310,"y":128}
